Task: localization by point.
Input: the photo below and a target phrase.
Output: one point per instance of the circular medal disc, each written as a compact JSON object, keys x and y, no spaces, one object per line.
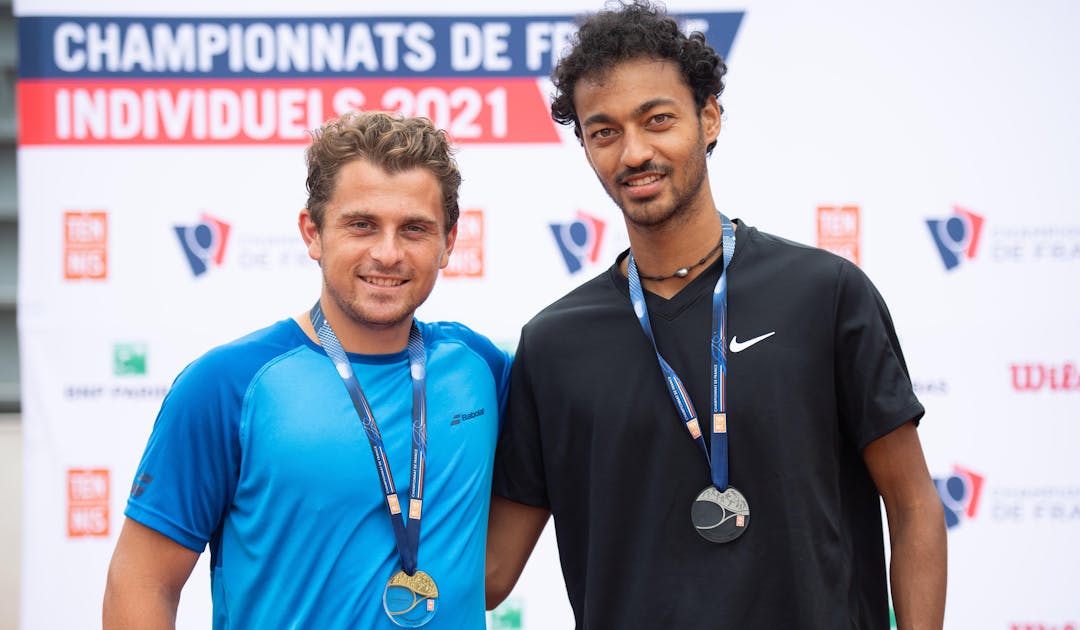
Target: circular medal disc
{"x":411,"y":600}
{"x":720,"y":517}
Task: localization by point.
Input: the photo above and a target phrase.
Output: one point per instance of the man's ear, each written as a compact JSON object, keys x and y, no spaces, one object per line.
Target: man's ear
{"x":710,"y":120}
{"x":451,"y":238}
{"x":310,"y":233}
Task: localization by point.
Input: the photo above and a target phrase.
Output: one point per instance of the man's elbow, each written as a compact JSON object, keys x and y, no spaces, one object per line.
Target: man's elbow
{"x":497,"y":585}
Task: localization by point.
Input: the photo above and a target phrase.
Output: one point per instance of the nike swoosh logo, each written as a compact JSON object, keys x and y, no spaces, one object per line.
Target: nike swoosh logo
{"x":739,"y":346}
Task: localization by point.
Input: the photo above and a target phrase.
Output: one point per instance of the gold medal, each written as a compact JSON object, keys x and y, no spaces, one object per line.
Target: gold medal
{"x":411,"y":600}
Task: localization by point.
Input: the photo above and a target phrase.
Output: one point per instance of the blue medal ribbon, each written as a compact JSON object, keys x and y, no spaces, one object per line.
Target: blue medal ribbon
{"x":718,"y":461}
{"x":407,"y":537}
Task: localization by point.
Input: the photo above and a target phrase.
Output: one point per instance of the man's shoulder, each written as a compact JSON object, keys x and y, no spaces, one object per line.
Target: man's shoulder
{"x":585,"y":302}
{"x":243,"y":356}
{"x":770,"y":252}
{"x":457,"y":335}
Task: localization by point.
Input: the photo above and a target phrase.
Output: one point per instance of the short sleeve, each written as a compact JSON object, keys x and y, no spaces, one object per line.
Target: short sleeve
{"x":519,"y":465}
{"x":188,"y":473}
{"x":873,"y":386}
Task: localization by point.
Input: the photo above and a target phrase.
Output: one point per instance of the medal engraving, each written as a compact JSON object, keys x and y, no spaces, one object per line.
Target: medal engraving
{"x":411,"y":600}
{"x":720,"y":517}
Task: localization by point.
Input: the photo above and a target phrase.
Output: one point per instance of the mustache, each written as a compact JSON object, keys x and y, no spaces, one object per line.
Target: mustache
{"x":647,"y":167}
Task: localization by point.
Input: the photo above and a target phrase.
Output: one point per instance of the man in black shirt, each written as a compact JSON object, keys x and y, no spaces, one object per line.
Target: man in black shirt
{"x":762,"y":512}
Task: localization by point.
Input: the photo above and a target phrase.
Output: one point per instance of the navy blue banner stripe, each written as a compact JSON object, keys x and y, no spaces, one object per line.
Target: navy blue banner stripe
{"x":275,"y":47}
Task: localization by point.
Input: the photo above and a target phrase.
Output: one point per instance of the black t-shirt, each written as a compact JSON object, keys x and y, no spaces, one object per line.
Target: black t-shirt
{"x":593,"y":435}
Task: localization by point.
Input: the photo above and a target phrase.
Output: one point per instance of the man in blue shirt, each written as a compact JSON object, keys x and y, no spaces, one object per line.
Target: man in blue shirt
{"x":307,"y":454}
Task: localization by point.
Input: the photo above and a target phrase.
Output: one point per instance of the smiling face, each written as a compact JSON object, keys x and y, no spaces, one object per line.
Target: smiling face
{"x":646,"y":140}
{"x":382,"y":243}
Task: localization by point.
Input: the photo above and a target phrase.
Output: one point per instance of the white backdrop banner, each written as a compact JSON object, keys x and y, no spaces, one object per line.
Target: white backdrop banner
{"x":161,"y":174}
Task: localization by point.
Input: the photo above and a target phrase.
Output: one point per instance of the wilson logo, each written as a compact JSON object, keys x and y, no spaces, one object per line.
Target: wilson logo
{"x":1034,"y":377}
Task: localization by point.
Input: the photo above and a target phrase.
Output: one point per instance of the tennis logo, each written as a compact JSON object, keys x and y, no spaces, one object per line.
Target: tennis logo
{"x":467,"y":260}
{"x":579,"y":240}
{"x":838,"y":230}
{"x":203,"y":243}
{"x":88,"y":503}
{"x":86,"y":245}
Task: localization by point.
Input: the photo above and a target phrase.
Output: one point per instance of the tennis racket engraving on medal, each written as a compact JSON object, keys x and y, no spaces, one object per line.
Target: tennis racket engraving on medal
{"x":720,"y":517}
{"x":411,"y":600}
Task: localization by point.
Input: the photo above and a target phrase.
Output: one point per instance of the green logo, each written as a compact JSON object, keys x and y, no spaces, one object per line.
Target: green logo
{"x":129,"y":359}
{"x":507,"y":616}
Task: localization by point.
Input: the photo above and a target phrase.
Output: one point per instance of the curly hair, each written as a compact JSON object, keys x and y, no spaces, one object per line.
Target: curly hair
{"x":395,"y":144}
{"x":631,"y":31}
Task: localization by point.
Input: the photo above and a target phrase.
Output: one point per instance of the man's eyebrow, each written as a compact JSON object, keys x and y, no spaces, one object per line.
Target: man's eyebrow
{"x":638,"y":111}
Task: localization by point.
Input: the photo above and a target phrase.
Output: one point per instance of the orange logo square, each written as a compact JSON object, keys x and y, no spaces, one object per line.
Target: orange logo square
{"x":838,"y":230}
{"x":467,"y":261}
{"x":414,"y":508}
{"x":392,"y":500}
{"x":740,"y":520}
{"x":86,"y":241}
{"x":88,"y":503}
{"x":719,"y":423}
{"x":693,"y":427}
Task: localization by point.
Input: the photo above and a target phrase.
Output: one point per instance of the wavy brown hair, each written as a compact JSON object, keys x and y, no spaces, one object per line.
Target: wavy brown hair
{"x":393,"y":143}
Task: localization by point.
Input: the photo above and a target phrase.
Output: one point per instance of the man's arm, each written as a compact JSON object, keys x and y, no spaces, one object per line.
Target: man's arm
{"x":147,"y":572}
{"x":916,"y":528}
{"x":513,"y":529}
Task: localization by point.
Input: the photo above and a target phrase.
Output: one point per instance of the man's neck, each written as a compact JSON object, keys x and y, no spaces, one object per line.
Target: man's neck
{"x":663,"y":250}
{"x":356,"y":338}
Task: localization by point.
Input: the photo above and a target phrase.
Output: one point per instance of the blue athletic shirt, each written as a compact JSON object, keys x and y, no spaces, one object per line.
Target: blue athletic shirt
{"x":258,"y":451}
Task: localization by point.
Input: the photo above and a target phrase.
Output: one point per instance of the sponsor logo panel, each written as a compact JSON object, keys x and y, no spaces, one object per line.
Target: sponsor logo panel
{"x":957,"y":236}
{"x":467,"y":261}
{"x":1045,"y":377}
{"x":960,"y":493}
{"x":579,"y":241}
{"x":86,"y":245}
{"x":965,"y":237}
{"x":838,"y":230}
{"x":203,"y":243}
{"x":88,"y":502}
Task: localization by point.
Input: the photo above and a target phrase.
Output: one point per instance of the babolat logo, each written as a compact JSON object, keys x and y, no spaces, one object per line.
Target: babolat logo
{"x":579,"y":240}
{"x":956,"y":237}
{"x":959,"y":494}
{"x":468,"y":415}
{"x":203,"y":243}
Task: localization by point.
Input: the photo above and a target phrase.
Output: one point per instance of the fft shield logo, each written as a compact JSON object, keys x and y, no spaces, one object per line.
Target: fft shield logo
{"x":956,"y":237}
{"x":203,"y":243}
{"x":579,"y":240}
{"x":959,"y":494}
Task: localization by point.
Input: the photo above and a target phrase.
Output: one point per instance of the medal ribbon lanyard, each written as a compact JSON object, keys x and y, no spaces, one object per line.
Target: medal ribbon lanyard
{"x":408,"y":538}
{"x":719,"y":460}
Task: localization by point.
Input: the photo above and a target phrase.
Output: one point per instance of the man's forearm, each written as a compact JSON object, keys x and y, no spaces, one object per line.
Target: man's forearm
{"x":918,"y":567}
